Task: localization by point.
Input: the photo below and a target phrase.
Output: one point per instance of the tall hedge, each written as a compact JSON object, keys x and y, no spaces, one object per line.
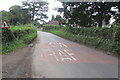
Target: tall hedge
{"x":107,"y":39}
{"x":105,"y":33}
{"x":17,"y":37}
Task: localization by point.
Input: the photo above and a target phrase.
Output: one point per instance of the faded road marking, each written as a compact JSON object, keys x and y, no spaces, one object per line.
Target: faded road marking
{"x":70,"y":54}
{"x":57,"y":44}
{"x":63,"y":56}
{"x":53,"y":53}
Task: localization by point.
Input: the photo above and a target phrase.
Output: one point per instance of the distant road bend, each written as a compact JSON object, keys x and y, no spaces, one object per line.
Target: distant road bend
{"x":55,"y":57}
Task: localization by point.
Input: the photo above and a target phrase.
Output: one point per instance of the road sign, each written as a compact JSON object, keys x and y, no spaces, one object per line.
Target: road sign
{"x":4,"y":24}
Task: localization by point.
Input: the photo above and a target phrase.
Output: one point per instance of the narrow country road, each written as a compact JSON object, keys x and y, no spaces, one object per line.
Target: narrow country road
{"x":55,"y":57}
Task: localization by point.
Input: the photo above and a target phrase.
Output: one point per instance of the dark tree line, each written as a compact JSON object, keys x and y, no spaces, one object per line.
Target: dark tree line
{"x":90,"y":13}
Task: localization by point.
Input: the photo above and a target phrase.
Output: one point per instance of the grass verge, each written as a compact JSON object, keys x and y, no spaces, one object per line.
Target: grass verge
{"x":104,"y":44}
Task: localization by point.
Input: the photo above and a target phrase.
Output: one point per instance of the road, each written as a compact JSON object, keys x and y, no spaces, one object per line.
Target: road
{"x":54,"y":57}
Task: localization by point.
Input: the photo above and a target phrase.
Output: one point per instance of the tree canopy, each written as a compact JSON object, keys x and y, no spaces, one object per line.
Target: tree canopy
{"x":89,"y":13}
{"x":29,"y":12}
{"x":36,"y":9}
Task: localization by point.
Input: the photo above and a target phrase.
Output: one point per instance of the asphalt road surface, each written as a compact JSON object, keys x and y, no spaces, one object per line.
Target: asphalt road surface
{"x":54,"y":57}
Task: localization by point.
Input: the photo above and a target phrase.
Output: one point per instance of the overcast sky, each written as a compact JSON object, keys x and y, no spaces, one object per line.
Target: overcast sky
{"x":6,"y":4}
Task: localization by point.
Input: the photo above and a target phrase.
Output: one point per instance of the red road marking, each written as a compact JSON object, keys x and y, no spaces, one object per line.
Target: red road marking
{"x":59,"y":55}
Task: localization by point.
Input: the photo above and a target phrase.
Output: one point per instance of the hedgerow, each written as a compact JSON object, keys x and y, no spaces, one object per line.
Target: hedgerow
{"x":106,"y":33}
{"x":16,"y":37}
{"x":107,"y":39}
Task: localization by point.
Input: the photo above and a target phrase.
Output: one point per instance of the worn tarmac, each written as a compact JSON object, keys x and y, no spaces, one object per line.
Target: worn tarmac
{"x":54,"y":57}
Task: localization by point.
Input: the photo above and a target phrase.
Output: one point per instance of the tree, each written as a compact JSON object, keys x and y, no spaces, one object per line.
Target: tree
{"x":101,"y":11}
{"x":87,"y":13}
{"x":53,"y":17}
{"x":18,"y":15}
{"x":59,"y":19}
{"x":75,"y":13}
{"x":6,"y":15}
{"x":36,"y":9}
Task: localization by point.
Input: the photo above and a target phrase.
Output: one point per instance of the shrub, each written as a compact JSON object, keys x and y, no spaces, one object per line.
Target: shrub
{"x":105,"y":33}
{"x":107,"y":39}
{"x":16,"y":37}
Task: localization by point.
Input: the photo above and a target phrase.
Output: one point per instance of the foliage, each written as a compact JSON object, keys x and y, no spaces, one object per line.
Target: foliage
{"x":29,"y":12}
{"x":103,"y":11}
{"x":17,"y":15}
{"x":107,"y":39}
{"x":36,"y":8}
{"x":59,"y":19}
{"x":89,"y":13}
{"x":116,"y":25}
{"x":106,"y":33}
{"x":51,"y":27}
{"x":21,"y":35}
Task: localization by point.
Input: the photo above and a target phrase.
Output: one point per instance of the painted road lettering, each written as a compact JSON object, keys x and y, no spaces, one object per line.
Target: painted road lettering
{"x":57,"y":44}
{"x":70,"y":54}
{"x":63,"y":54}
{"x":55,"y":56}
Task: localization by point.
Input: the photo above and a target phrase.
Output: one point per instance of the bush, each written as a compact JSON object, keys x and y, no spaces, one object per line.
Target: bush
{"x":7,"y":36}
{"x":107,"y":39}
{"x":16,"y":37}
{"x":105,"y":33}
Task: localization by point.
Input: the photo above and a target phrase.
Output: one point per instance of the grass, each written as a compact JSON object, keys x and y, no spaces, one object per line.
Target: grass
{"x":12,"y":46}
{"x":96,"y":42}
{"x":26,"y":34}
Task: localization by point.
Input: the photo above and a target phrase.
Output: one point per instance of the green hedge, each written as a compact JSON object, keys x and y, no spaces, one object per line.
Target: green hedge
{"x":104,"y":44}
{"x":16,"y":37}
{"x":107,"y":39}
{"x":105,"y":33}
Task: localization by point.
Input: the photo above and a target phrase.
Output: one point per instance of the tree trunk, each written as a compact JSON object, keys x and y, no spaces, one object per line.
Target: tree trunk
{"x":100,"y":23}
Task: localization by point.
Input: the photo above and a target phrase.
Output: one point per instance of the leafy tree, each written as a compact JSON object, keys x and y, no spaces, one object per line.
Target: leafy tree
{"x":6,"y":15}
{"x":16,"y":15}
{"x":19,"y":15}
{"x":36,"y":9}
{"x":87,"y":13}
{"x":101,"y":11}
{"x":60,"y":19}
{"x":75,"y":13}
